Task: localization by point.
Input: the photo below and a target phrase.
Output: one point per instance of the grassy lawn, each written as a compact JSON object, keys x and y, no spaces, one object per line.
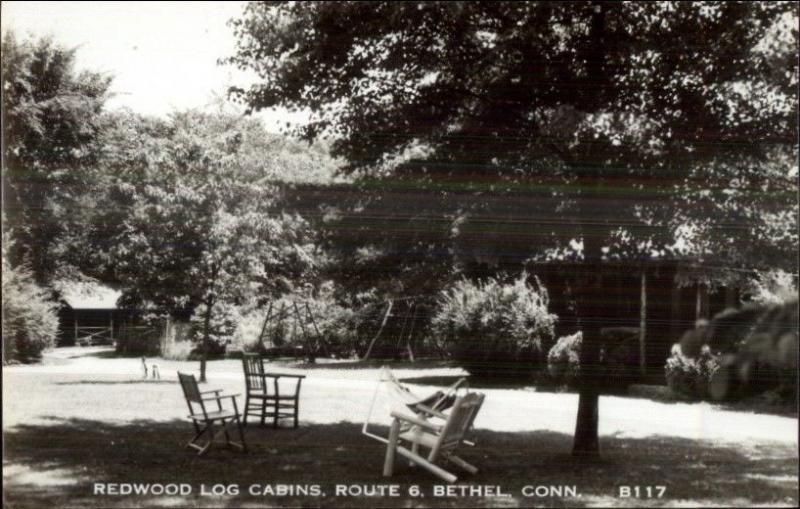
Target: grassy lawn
{"x":82,"y":418}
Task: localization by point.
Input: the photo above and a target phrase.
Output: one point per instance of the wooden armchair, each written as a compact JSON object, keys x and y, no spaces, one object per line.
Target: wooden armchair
{"x":204,"y":419}
{"x":265,"y":396}
{"x":442,"y":441}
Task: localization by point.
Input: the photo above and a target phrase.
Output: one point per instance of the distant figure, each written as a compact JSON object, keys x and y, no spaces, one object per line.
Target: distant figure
{"x":154,"y":374}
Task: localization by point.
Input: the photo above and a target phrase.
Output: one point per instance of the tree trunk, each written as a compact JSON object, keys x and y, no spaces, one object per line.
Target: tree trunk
{"x":595,"y":230}
{"x":206,"y":337}
{"x":586,"y":442}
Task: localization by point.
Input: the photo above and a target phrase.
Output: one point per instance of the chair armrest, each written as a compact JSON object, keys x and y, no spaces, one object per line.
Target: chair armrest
{"x":221,"y":396}
{"x":416,"y":421}
{"x":284,"y":375}
{"x":209,"y":392}
{"x":430,"y":411}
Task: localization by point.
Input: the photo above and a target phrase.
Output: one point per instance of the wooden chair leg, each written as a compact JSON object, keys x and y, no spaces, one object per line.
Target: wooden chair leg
{"x":430,"y":467}
{"x":472,"y":469}
{"x":275,"y":415}
{"x":296,"y":412}
{"x":225,"y":429}
{"x":246,"y":407}
{"x":211,"y":435}
{"x":241,"y":433}
{"x":263,"y":411}
{"x":199,"y":432}
{"x":391,"y":447}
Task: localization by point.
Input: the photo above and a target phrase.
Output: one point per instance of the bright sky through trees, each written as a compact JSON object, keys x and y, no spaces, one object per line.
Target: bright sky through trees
{"x":163,"y":55}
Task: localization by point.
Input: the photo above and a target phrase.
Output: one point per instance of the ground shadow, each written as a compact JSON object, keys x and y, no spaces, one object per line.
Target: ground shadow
{"x":56,"y":464}
{"x":109,"y":353}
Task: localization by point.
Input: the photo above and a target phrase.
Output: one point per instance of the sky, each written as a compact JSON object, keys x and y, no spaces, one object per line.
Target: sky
{"x":162,"y":55}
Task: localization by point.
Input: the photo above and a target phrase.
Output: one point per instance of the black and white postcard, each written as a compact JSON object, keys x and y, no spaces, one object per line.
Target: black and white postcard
{"x":400,"y":254}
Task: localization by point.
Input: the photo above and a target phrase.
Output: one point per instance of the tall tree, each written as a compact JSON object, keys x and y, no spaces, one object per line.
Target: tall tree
{"x":51,"y":122}
{"x":196,"y":220}
{"x":611,"y":106}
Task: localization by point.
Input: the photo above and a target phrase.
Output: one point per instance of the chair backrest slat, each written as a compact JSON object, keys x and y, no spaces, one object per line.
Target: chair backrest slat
{"x":461,"y":417}
{"x":190,"y":388}
{"x":253,"y":366}
{"x":192,"y":394}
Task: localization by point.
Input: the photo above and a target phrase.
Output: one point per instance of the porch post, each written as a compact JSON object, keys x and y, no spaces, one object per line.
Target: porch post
{"x":643,"y":326}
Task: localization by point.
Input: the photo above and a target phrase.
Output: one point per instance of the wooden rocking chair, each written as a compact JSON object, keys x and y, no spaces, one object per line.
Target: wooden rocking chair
{"x":204,"y":420}
{"x":441,"y":440}
{"x":264,"y":399}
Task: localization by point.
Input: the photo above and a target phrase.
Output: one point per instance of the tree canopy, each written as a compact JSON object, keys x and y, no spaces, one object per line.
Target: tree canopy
{"x":491,"y":97}
{"x":513,"y":85}
{"x":51,"y":124}
{"x":630,"y":113}
{"x":195,"y":219}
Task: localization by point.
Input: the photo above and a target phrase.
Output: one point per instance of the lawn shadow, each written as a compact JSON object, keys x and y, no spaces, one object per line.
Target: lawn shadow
{"x":106,"y":353}
{"x":56,"y":464}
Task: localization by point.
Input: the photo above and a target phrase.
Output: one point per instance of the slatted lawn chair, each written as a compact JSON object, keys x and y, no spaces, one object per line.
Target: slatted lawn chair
{"x":266,"y":400}
{"x":431,"y":406}
{"x":442,"y":441}
{"x":204,"y":419}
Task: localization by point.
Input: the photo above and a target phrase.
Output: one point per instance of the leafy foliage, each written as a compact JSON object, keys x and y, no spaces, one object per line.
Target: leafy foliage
{"x":221,"y":327}
{"x":758,"y":343}
{"x":496,"y":329}
{"x":51,"y":125}
{"x":563,"y":359}
{"x":197,"y":225}
{"x":691,"y":375}
{"x":773,"y":287}
{"x":30,"y":321}
{"x":594,"y":101}
{"x":492,"y":99}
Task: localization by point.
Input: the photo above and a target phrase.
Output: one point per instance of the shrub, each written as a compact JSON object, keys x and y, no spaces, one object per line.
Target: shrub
{"x":223,"y":323}
{"x":178,"y":351}
{"x":691,"y":375}
{"x":496,"y":329}
{"x":30,"y":320}
{"x":759,"y":342}
{"x":564,"y":359}
{"x":619,"y":359}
